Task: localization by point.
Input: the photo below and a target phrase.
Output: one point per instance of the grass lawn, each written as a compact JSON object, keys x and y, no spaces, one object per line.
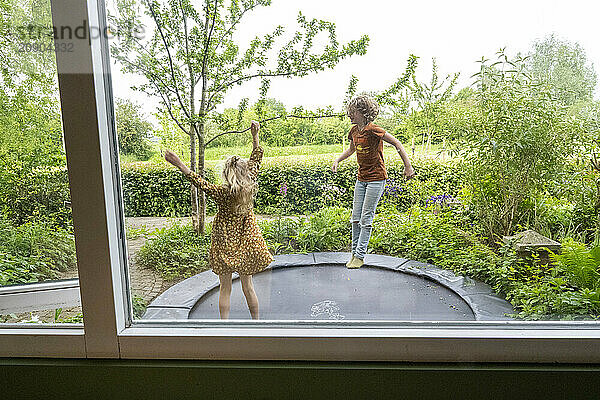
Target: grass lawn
{"x":290,"y":155}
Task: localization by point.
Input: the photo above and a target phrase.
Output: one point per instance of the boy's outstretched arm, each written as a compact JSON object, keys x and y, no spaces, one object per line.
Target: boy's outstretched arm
{"x":409,"y":172}
{"x":347,"y":153}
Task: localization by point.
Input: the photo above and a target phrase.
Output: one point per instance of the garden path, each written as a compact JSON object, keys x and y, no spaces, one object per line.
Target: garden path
{"x":145,"y":282}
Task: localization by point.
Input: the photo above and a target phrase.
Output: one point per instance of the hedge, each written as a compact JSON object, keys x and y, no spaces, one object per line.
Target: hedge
{"x":33,"y":195}
{"x":158,"y":192}
{"x":290,"y":189}
{"x":150,"y":190}
{"x":309,"y":188}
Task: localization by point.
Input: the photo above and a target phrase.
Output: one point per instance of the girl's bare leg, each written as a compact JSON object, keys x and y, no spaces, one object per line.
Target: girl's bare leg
{"x":224,"y":295}
{"x":251,"y":298}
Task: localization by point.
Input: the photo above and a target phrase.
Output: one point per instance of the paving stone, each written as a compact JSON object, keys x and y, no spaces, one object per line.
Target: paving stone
{"x":331,"y":258}
{"x":186,"y":293}
{"x":292,"y":260}
{"x":383,"y":261}
{"x":489,"y":307}
{"x":166,"y":313}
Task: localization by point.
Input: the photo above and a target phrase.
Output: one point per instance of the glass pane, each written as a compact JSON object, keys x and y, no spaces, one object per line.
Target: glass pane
{"x":38,"y":270}
{"x":500,"y":221}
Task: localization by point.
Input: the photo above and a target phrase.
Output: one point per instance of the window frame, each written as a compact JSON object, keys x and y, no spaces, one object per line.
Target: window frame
{"x":109,"y":332}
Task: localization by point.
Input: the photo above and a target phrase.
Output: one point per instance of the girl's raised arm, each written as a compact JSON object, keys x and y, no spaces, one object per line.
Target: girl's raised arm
{"x":197,"y":180}
{"x":176,"y":161}
{"x":257,"y":152}
{"x":254,"y":127}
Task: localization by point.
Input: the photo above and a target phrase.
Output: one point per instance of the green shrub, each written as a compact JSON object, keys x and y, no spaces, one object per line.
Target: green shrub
{"x":554,"y":298}
{"x":34,"y":251}
{"x":176,"y":252}
{"x":551,"y":216}
{"x":280,"y":234}
{"x":567,"y":207}
{"x":152,"y":191}
{"x":158,"y":192}
{"x":134,"y":232}
{"x":580,"y":188}
{"x":329,"y":229}
{"x":132,"y":129}
{"x":424,"y":236}
{"x":515,"y":142}
{"x":75,"y":319}
{"x":139,"y":306}
{"x":312,"y":187}
{"x":31,"y":195}
{"x":16,"y":269}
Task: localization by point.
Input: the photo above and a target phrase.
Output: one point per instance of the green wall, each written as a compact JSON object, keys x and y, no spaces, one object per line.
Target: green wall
{"x":133,"y":379}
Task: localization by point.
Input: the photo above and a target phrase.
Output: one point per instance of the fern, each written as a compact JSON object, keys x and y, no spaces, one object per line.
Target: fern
{"x":579,"y":264}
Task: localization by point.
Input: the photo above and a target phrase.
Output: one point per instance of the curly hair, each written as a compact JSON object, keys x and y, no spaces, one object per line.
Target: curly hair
{"x":365,"y":105}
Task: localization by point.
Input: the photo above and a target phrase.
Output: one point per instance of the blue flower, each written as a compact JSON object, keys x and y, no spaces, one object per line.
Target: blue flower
{"x":283,"y":189}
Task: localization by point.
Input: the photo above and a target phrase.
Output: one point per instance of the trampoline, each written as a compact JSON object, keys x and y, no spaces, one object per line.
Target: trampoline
{"x":318,"y":286}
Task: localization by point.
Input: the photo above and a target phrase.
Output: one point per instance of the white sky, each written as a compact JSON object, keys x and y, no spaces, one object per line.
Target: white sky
{"x":457,"y":33}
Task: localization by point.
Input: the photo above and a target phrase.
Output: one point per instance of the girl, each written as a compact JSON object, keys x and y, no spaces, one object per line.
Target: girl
{"x":367,"y":139}
{"x":236,"y":242}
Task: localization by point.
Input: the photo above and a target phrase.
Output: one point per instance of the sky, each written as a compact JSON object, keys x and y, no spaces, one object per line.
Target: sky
{"x":457,"y":33}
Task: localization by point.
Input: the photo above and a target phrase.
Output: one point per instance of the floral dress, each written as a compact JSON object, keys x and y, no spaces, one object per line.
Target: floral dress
{"x":236,"y":244}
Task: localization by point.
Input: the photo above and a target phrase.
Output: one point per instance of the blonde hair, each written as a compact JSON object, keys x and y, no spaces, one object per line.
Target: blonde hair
{"x":365,"y":105}
{"x":236,"y":176}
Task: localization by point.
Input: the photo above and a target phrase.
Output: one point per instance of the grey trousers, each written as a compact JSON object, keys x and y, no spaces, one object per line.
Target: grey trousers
{"x":366,"y":197}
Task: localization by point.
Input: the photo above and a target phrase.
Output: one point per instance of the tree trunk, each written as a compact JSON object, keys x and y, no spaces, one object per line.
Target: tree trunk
{"x":193,"y":189}
{"x":428,"y":147}
{"x":201,"y":196}
{"x":202,"y":121}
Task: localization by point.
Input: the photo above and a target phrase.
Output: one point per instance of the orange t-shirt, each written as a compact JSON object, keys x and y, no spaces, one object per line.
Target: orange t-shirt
{"x":369,"y":152}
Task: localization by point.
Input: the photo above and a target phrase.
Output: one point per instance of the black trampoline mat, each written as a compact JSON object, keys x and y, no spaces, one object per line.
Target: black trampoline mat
{"x":333,"y":292}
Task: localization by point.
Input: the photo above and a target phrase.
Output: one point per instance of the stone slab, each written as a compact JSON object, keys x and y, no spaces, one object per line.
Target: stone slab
{"x":489,"y":307}
{"x":186,"y":293}
{"x":292,"y":260}
{"x":383,"y":261}
{"x":166,"y":313}
{"x":331,"y":258}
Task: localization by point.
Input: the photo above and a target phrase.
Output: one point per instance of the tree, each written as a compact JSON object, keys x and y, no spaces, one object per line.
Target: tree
{"x":430,"y":100}
{"x":25,"y":29}
{"x":133,"y":130}
{"x":393,"y":100}
{"x":515,"y":144}
{"x":30,"y":128}
{"x":565,"y":67}
{"x":170,"y":136}
{"x":31,"y":145}
{"x":190,"y":61}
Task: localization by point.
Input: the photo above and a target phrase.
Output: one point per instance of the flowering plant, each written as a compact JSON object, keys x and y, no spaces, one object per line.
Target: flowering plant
{"x":440,"y":203}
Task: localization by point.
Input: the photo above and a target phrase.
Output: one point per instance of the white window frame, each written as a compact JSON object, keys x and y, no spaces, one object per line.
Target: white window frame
{"x":87,"y":111}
